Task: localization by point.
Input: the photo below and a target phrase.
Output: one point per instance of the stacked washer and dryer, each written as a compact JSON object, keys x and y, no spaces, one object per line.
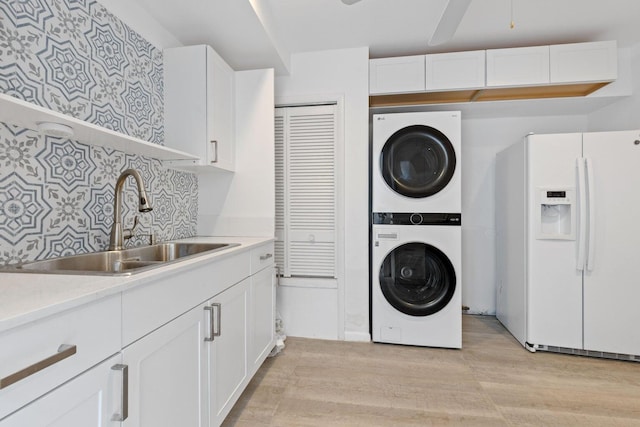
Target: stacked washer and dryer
{"x":416,"y":234}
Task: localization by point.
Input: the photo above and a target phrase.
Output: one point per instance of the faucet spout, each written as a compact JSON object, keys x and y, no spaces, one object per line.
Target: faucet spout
{"x":116,"y":240}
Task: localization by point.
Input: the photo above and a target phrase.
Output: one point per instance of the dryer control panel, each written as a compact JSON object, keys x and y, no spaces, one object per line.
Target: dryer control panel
{"x":417,"y":218}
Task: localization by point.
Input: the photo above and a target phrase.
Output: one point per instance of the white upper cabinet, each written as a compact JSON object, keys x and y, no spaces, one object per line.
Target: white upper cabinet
{"x":397,"y":75}
{"x":457,"y":70}
{"x":518,"y":66}
{"x":199,"y":105}
{"x":576,"y":69}
{"x":584,"y":62}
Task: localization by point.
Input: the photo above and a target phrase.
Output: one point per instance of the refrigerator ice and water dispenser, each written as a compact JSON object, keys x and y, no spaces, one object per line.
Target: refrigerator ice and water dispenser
{"x":557,"y":214}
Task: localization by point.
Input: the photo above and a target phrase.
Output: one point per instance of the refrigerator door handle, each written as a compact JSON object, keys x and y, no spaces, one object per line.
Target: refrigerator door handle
{"x":592,"y":218}
{"x":582,"y":210}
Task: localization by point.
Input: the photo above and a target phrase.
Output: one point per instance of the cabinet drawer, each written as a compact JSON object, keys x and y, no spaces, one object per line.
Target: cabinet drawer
{"x":89,"y":400}
{"x":94,"y":329}
{"x":518,"y":66}
{"x":147,"y":307}
{"x":262,"y":257}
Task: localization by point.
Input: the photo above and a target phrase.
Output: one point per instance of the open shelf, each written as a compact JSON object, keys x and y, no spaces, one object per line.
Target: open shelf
{"x":15,"y":111}
{"x":485,"y":94}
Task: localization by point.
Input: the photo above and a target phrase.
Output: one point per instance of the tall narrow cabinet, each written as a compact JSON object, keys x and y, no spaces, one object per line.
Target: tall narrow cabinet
{"x":199,"y":106}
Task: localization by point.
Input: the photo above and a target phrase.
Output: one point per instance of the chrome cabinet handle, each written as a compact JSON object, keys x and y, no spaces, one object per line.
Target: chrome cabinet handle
{"x":124,"y":393}
{"x":212,"y":334}
{"x":215,"y":151}
{"x":265,"y":257}
{"x":212,"y":323}
{"x":219,"y":319}
{"x":64,"y":351}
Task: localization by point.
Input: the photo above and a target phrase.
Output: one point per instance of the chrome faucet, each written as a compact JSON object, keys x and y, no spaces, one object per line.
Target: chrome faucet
{"x":116,"y":241}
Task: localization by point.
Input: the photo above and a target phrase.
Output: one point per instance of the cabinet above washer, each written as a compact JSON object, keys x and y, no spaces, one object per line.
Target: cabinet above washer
{"x":404,"y":74}
{"x":556,"y":71}
{"x":455,"y":70}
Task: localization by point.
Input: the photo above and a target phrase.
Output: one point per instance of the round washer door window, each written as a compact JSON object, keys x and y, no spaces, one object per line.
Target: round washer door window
{"x":417,"y":279}
{"x":417,"y":161}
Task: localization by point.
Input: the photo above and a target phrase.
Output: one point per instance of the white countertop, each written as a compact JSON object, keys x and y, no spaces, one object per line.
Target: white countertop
{"x":25,"y":297}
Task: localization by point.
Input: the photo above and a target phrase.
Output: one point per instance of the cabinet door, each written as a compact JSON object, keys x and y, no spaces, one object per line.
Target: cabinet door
{"x":185,"y":99}
{"x":220,"y":112}
{"x":167,"y":374}
{"x":263,"y":317}
{"x":90,"y":400}
{"x":458,"y":70}
{"x":583,"y":62}
{"x":228,"y":350}
{"x":199,"y":98}
{"x":518,"y":66}
{"x":397,"y":75}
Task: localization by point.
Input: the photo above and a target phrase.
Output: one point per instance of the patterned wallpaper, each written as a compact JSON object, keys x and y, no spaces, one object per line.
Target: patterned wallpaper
{"x":74,"y":57}
{"x":56,"y":195}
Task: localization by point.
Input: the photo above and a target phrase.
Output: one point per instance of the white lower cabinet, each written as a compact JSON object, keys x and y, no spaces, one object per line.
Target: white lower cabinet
{"x":176,"y":369}
{"x":93,"y":399}
{"x":228,"y":349}
{"x":167,"y":381}
{"x":192,"y":370}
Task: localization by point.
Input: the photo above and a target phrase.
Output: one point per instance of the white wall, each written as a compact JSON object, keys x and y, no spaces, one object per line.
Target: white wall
{"x":312,"y":312}
{"x":624,"y":114}
{"x":342,"y":312}
{"x":242,"y":203}
{"x":482,"y":139}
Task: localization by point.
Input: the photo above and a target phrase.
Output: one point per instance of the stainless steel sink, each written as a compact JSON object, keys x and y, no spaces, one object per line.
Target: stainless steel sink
{"x":120,"y":263}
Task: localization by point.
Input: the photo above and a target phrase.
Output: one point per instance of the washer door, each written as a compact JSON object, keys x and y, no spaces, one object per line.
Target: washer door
{"x":417,"y":279}
{"x":417,"y":161}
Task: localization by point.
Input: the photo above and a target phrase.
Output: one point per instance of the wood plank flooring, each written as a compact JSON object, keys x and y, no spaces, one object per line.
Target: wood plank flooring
{"x":492,"y":381}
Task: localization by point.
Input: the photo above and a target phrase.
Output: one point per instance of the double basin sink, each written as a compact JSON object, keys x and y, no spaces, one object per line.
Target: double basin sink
{"x":121,"y":263}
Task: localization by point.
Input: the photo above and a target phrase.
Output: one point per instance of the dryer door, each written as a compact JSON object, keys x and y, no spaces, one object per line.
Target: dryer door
{"x":417,"y":161}
{"x":417,"y":279}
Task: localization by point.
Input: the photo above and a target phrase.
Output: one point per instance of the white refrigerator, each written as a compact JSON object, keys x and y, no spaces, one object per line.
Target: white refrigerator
{"x":568,"y":242}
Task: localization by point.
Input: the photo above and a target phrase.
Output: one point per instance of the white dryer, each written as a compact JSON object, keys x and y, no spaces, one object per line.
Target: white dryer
{"x":416,"y":279}
{"x":416,"y":162}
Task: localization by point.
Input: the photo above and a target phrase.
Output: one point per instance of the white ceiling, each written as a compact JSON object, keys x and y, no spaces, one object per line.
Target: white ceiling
{"x":263,"y":33}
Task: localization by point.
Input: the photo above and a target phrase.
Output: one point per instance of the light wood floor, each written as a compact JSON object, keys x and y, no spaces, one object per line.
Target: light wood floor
{"x":492,"y":381}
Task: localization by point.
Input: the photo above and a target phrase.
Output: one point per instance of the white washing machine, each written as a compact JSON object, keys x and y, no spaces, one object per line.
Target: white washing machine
{"x":416,"y":162}
{"x":416,"y":296}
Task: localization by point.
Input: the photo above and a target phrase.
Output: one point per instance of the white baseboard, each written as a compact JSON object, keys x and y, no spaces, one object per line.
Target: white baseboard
{"x":357,"y":336}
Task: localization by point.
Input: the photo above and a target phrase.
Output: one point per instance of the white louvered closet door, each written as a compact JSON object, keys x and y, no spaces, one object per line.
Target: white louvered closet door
{"x":280,"y":190}
{"x":306,"y":191}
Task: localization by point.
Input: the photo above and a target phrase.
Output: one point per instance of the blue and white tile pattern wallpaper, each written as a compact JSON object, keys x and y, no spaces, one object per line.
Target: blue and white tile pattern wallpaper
{"x":56,"y":195}
{"x":76,"y":58}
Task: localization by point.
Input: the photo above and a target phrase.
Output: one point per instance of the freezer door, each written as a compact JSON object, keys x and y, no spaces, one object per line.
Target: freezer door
{"x":612,"y":275}
{"x":554,"y":291}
